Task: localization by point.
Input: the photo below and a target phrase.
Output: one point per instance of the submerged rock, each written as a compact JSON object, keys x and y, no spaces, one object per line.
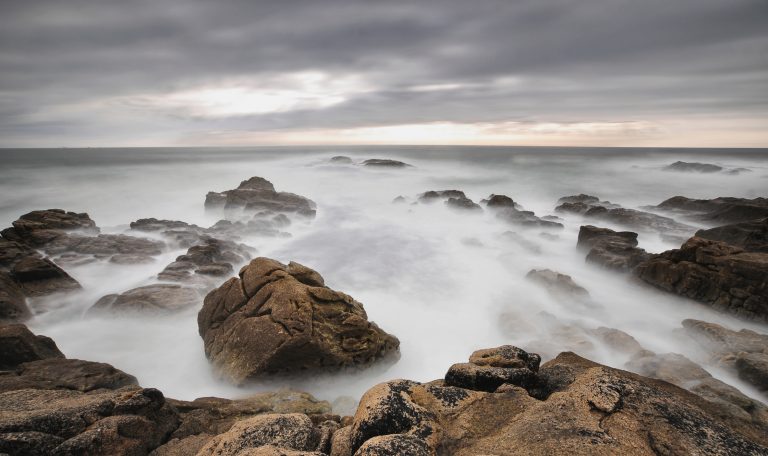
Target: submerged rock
{"x":569,"y":405}
{"x":557,"y":284}
{"x":718,"y":210}
{"x":341,"y":160}
{"x":693,"y":167}
{"x":210,"y":257}
{"x":385,"y":163}
{"x":158,"y":298}
{"x":464,"y":204}
{"x":278,"y":318}
{"x":611,"y":249}
{"x":714,"y":273}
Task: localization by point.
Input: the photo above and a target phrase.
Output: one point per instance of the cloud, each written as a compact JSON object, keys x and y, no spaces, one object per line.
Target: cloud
{"x":102,"y":73}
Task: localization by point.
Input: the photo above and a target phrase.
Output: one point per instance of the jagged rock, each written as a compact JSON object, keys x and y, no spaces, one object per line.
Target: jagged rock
{"x":694,"y":167}
{"x":13,"y":303}
{"x":583,"y":408}
{"x":286,"y":431}
{"x":559,"y":285}
{"x":611,"y":249}
{"x":128,"y":421}
{"x":158,"y":298}
{"x":751,"y":236}
{"x":38,"y":276}
{"x":281,"y":318}
{"x":60,"y":373}
{"x":258,"y":194}
{"x":720,"y":210}
{"x":714,"y":273}
{"x":341,"y":160}
{"x":19,"y":345}
{"x":38,"y":228}
{"x":385,"y":163}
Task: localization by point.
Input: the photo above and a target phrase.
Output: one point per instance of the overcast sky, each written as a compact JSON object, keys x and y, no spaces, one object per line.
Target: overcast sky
{"x":247,"y":72}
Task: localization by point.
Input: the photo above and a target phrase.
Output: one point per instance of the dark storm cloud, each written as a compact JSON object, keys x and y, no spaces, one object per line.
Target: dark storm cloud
{"x":546,"y":60}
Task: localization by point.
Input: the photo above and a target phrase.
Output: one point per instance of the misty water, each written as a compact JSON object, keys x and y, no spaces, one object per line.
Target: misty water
{"x":444,"y":282}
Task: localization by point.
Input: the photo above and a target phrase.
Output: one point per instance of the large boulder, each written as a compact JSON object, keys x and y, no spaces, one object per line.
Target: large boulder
{"x":38,"y":228}
{"x":610,"y":249}
{"x":278,"y":318}
{"x":574,"y":406}
{"x":258,"y":194}
{"x":714,"y":273}
{"x":60,"y":373}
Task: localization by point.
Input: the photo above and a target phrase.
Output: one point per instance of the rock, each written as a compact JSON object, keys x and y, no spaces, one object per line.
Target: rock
{"x":580,"y":198}
{"x":19,"y":345}
{"x":488,"y":369}
{"x":611,"y":249}
{"x":153,"y":224}
{"x":385,"y":163}
{"x":158,"y":298}
{"x":341,"y":160}
{"x":737,"y":171}
{"x":210,"y":257}
{"x":127,"y":258}
{"x":38,"y":228}
{"x":399,"y":200}
{"x":435,"y":195}
{"x":499,"y":201}
{"x":13,"y":304}
{"x":71,"y":374}
{"x":718,"y":210}
{"x":575,"y":407}
{"x":128,"y":421}
{"x":286,"y":431}
{"x":617,"y":340}
{"x":258,"y":194}
{"x":388,"y":445}
{"x":281,"y":318}
{"x":714,"y":273}
{"x":523,"y":218}
{"x":464,"y":204}
{"x":753,"y":368}
{"x":695,"y":167}
{"x":751,"y":236}
{"x":182,"y":447}
{"x":559,"y":285}
{"x":720,"y":340}
{"x":40,"y":276}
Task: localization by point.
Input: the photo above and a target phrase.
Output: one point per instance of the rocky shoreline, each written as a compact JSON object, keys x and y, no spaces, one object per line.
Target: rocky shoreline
{"x":274,"y":319}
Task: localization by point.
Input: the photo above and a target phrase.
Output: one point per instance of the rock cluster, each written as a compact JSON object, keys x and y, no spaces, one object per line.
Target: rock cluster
{"x":725,"y":277}
{"x":258,"y":194}
{"x":277,"y":318}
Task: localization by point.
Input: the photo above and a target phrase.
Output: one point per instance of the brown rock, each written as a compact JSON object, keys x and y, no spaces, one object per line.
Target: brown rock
{"x":40,"y":276}
{"x":276,"y":318}
{"x":610,"y":249}
{"x":559,"y":285}
{"x":72,"y":374}
{"x":38,"y":228}
{"x":258,"y":194}
{"x":13,"y":304}
{"x":751,"y":236}
{"x":158,"y":298}
{"x":723,"y":209}
{"x":286,"y":431}
{"x":753,"y":368}
{"x":19,"y":345}
{"x":714,"y":273}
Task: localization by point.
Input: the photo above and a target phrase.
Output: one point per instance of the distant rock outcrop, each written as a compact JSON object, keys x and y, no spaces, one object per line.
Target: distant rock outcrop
{"x":693,"y":167}
{"x":277,"y":318}
{"x":718,"y":210}
{"x":258,"y":194}
{"x":385,"y":163}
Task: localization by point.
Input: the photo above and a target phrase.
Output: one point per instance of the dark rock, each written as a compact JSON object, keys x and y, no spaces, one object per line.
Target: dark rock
{"x":714,"y":273}
{"x":38,"y":228}
{"x":610,"y":249}
{"x":153,"y":224}
{"x":464,"y":204}
{"x":499,"y":201}
{"x":396,"y":444}
{"x":526,"y":219}
{"x":277,"y":318}
{"x":399,"y":200}
{"x":723,"y":341}
{"x":751,"y":236}
{"x":158,"y":298}
{"x":580,"y":198}
{"x":40,"y":276}
{"x":71,"y":374}
{"x":19,"y":345}
{"x":127,"y":258}
{"x":210,"y":257}
{"x":258,"y":194}
{"x":693,"y":167}
{"x":435,"y":195}
{"x":718,"y":210}
{"x":341,"y":160}
{"x":385,"y":163}
{"x":13,"y":304}
{"x":753,"y":368}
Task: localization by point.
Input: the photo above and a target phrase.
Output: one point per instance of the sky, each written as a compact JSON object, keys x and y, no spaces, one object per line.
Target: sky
{"x":98,"y":73}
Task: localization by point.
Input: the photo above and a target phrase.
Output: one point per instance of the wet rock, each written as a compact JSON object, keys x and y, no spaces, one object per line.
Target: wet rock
{"x":490,"y":368}
{"x":753,"y":368}
{"x":60,"y":373}
{"x":13,"y":303}
{"x":499,"y":201}
{"x":576,"y":406}
{"x":38,"y":276}
{"x":158,"y":298}
{"x":285,"y":431}
{"x":258,"y":194}
{"x":210,"y":257}
{"x":19,"y":345}
{"x":714,"y":273}
{"x":127,"y":258}
{"x":281,"y":318}
{"x":128,"y":421}
{"x":751,"y":236}
{"x":385,"y":163}
{"x":559,"y":285}
{"x":693,"y":167}
{"x":718,"y":210}
{"x":341,"y":160}
{"x":610,"y":249}
{"x":723,"y":341}
{"x":524,"y":218}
